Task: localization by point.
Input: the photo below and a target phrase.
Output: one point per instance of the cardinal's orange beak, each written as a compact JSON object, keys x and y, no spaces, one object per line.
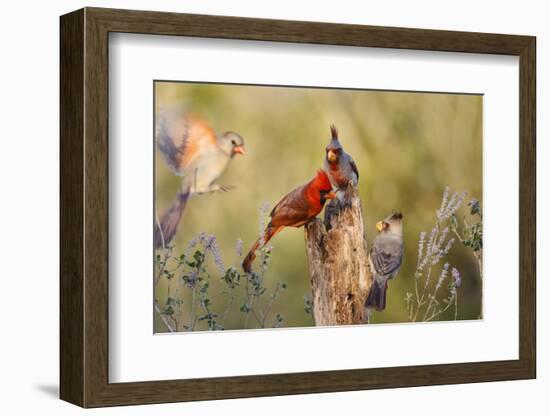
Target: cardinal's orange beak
{"x":330,"y":195}
{"x":240,"y":150}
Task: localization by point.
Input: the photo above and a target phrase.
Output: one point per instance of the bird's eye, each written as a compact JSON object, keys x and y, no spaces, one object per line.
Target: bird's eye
{"x":233,"y":142}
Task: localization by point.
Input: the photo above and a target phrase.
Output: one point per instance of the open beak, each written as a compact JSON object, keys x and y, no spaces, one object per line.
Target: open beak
{"x":240,"y":150}
{"x":330,"y":195}
{"x":331,"y":156}
{"x":380,"y":226}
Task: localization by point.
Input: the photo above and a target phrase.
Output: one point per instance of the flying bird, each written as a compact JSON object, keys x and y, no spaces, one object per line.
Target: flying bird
{"x":192,"y":150}
{"x":385,"y":258}
{"x":297,"y":208}
{"x":339,"y":165}
{"x":342,"y":171}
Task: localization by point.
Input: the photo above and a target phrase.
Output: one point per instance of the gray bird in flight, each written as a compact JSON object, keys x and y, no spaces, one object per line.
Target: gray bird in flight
{"x":192,"y":150}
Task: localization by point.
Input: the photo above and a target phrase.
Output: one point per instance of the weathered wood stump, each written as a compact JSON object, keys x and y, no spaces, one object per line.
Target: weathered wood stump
{"x":339,"y":268}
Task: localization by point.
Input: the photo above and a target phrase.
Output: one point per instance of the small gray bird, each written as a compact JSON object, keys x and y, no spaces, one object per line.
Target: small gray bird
{"x":385,"y":258}
{"x":195,"y":152}
{"x":342,"y":171}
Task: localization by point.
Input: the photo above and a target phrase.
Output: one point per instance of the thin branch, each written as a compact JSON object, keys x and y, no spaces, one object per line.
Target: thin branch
{"x":270,"y":304}
{"x":228,"y":307}
{"x":160,"y":230}
{"x":249,"y":301}
{"x":193,"y":307}
{"x":163,"y":317}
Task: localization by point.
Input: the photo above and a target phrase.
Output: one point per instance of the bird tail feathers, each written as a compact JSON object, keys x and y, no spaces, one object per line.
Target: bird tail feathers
{"x":377,"y":295}
{"x":269,"y":233}
{"x":166,"y":230}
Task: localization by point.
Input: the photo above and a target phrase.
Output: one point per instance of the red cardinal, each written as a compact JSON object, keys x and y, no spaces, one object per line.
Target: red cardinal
{"x":297,"y":208}
{"x":193,"y":151}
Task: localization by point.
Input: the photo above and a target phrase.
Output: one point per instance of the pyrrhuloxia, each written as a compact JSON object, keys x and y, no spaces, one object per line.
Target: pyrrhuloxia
{"x":193,"y":151}
{"x":385,"y":258}
{"x":342,"y":171}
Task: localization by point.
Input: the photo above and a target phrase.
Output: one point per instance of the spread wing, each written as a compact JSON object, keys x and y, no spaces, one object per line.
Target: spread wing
{"x":291,"y":210}
{"x":182,"y":137}
{"x":386,"y":254}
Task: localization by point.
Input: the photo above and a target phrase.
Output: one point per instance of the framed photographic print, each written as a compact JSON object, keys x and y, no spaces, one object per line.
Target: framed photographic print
{"x":257,"y":207}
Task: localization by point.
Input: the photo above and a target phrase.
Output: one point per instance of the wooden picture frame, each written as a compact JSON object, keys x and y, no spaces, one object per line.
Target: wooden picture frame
{"x":84,"y":207}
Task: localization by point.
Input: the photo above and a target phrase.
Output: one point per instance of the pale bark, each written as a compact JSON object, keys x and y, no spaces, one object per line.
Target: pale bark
{"x":340,"y":273}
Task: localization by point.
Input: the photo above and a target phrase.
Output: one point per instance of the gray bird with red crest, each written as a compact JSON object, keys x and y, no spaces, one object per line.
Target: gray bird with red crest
{"x":385,"y":258}
{"x":339,"y":165}
{"x":342,"y":171}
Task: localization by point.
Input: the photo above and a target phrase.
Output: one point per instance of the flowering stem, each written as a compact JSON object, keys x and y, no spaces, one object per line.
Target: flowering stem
{"x":421,"y":301}
{"x":456,"y":305}
{"x":436,"y":313}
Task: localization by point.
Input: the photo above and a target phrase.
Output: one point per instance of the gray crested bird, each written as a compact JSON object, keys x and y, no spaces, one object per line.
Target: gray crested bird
{"x":342,"y":171}
{"x":385,"y":259}
{"x":195,"y":152}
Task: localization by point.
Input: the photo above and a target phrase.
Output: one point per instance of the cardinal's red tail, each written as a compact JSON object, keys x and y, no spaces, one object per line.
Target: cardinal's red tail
{"x":377,"y":295}
{"x":170,"y":221}
{"x":269,"y":232}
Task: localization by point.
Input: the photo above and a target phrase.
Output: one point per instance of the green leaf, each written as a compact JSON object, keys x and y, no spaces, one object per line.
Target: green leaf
{"x":454,"y":222}
{"x":168,"y":310}
{"x":245,"y":308}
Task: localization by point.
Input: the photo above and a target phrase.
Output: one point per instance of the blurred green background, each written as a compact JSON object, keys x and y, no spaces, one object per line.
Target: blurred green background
{"x":407,"y":146}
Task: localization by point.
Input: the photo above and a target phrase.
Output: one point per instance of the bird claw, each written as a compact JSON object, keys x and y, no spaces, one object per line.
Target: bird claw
{"x":348,"y":196}
{"x":225,"y":188}
{"x":332,"y":210}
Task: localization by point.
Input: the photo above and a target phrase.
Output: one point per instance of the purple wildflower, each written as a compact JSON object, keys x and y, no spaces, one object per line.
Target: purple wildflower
{"x":475,"y":208}
{"x":239,"y":247}
{"x":431,"y":242}
{"x":447,"y":247}
{"x":447,"y":211}
{"x":442,"y":237}
{"x":444,"y":200}
{"x":421,"y":241}
{"x":214,"y":249}
{"x":442,"y":276}
{"x":192,"y":279}
{"x":458,"y":202}
{"x":456,"y":277}
{"x":193,"y":243}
